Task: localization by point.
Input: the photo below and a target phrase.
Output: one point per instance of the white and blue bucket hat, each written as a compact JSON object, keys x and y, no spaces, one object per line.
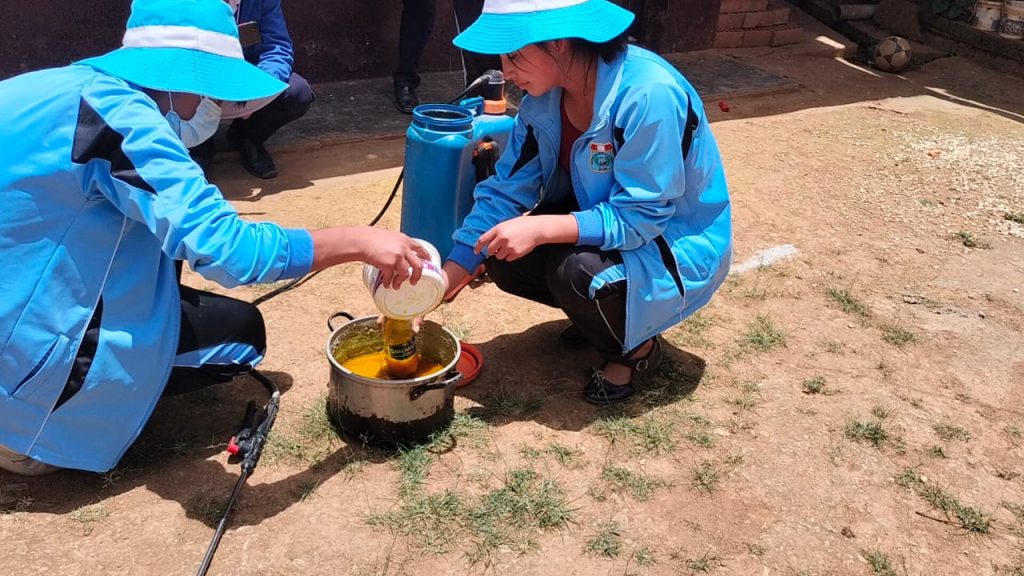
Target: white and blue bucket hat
{"x":507,"y":25}
{"x":186,"y":46}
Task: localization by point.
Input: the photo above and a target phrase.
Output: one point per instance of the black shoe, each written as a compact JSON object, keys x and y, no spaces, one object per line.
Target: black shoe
{"x":255,"y":157}
{"x":405,"y":98}
{"x":603,"y":393}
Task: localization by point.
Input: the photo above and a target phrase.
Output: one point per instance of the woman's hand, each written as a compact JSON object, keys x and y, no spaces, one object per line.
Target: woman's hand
{"x":515,"y":238}
{"x":397,"y":256}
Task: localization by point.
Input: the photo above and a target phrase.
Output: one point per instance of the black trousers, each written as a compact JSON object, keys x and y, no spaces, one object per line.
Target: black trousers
{"x":289,"y":106}
{"x":230,"y":334}
{"x":473,"y":64}
{"x":560,"y":275}
{"x":413,"y":33}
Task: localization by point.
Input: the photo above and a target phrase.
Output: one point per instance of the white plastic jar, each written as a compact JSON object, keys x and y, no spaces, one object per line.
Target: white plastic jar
{"x":408,"y":301}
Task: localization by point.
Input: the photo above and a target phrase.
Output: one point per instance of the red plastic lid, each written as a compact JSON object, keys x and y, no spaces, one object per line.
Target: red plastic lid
{"x":471,"y":361}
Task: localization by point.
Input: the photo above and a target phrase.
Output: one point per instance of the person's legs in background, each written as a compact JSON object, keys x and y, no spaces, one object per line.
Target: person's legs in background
{"x":414,"y":32}
{"x":473,"y":64}
{"x":249,"y":135}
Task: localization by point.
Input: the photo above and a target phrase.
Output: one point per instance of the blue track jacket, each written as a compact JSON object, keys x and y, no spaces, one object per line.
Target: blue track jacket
{"x":274,"y":55}
{"x":98,"y":198}
{"x":648,"y":179}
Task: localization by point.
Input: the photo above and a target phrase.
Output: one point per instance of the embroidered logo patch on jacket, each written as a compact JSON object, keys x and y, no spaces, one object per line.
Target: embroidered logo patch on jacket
{"x":601,"y":156}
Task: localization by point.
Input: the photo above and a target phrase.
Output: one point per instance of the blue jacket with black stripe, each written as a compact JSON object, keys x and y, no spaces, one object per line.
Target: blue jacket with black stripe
{"x":648,"y":179}
{"x":99,"y":199}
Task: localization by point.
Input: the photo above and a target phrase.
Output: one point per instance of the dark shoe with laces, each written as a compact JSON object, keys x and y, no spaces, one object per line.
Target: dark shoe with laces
{"x":405,"y":98}
{"x":572,"y":338}
{"x":255,"y":157}
{"x":601,"y":392}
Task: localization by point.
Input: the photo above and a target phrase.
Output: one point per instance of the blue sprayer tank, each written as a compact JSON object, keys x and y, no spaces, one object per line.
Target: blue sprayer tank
{"x":446,"y":149}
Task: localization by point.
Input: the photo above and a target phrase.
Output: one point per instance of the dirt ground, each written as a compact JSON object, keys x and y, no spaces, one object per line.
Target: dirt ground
{"x":856,"y":409}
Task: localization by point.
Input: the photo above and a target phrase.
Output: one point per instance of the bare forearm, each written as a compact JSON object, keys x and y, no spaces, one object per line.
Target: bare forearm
{"x":332,"y":246}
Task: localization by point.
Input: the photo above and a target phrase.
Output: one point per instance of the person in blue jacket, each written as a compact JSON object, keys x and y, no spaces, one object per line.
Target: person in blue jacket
{"x":101,"y":203}
{"x":610,"y":201}
{"x":254,"y":122}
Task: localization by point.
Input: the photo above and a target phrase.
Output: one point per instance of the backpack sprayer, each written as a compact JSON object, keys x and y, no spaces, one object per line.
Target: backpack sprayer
{"x":469,"y":137}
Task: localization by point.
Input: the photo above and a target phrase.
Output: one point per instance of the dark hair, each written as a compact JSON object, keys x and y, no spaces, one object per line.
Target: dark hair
{"x":606,"y":51}
{"x":591,"y":51}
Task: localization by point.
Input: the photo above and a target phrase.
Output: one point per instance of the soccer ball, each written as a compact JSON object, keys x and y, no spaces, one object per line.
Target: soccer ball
{"x":892,"y":54}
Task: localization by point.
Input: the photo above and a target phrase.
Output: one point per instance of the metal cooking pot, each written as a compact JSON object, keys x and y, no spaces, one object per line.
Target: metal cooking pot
{"x":390,"y":411}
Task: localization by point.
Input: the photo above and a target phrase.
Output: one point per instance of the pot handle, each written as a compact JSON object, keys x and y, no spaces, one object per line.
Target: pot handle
{"x":452,"y":377}
{"x":336,"y":315}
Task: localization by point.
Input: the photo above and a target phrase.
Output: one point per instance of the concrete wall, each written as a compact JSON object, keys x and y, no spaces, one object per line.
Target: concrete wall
{"x":334,"y":39}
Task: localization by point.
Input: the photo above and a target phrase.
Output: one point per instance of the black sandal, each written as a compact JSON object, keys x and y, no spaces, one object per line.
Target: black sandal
{"x":603,"y":393}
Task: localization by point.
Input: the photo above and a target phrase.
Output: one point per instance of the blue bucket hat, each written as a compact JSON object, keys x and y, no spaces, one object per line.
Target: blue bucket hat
{"x":508,"y":25}
{"x":186,"y":46}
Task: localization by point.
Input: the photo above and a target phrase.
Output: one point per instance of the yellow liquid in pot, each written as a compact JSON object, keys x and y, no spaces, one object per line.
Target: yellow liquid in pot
{"x":374,"y":365}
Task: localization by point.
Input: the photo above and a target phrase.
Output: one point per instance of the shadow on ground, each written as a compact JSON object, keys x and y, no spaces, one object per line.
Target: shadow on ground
{"x":530,"y":376}
{"x":179,"y":442}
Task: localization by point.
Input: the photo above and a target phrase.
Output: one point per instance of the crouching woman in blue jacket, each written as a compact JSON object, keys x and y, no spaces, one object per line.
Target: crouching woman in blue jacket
{"x":610,"y":201}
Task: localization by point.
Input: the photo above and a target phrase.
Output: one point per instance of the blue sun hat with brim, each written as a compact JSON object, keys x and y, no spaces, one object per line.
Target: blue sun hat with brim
{"x":507,"y":25}
{"x":186,"y":46}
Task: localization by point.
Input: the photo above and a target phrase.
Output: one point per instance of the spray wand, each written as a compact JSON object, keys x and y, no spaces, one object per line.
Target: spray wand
{"x":248,"y":445}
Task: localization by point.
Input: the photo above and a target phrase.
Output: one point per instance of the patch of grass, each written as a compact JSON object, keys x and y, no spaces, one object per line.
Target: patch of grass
{"x":206,"y":507}
{"x":951,"y":432}
{"x":969,"y":518}
{"x":464,"y":426}
{"x":871,"y":432}
{"x":413,"y":467}
{"x":647,"y":434}
{"x":699,"y":431}
{"x":970,"y":240}
{"x":693,"y":332}
{"x":570,"y":458}
{"x":897,"y":335}
{"x":89,"y":516}
{"x":756,"y":293}
{"x":909,"y":478}
{"x":1017,"y":217}
{"x":505,"y":516}
{"x":434,"y":522}
{"x":750,"y":396}
{"x":763,"y":335}
{"x":282,"y":447}
{"x":880,"y":564}
{"x":644,"y":557}
{"x":833,"y":346}
{"x":847,"y":302}
{"x":703,"y":564}
{"x":637,"y":484}
{"x":607,"y":541}
{"x":756,"y":550}
{"x":937,"y":452}
{"x":15,"y":505}
{"x":880,"y":412}
{"x":506,"y":403}
{"x":704,"y":478}
{"x":813,"y":385}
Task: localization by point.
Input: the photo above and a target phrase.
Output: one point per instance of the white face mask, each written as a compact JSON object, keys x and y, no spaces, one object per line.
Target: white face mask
{"x":200,"y":128}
